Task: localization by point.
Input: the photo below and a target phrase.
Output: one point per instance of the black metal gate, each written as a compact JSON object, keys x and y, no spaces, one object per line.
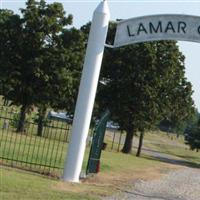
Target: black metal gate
{"x":44,"y":154}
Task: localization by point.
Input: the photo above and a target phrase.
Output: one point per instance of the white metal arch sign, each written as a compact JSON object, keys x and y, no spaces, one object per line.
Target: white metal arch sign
{"x":158,"y":27}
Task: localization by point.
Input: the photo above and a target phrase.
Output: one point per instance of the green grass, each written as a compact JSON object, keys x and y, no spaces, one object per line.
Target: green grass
{"x":29,"y":149}
{"x":49,"y":150}
{"x":18,"y":185}
{"x":116,"y":171}
{"x":118,"y":162}
{"x":32,"y":149}
{"x":116,"y":168}
{"x":171,"y":145}
{"x":22,"y":185}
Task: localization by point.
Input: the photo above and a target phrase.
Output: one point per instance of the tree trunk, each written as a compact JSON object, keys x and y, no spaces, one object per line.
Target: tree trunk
{"x":140,"y":144}
{"x":21,"y":123}
{"x":127,"y":148}
{"x":41,"y":117}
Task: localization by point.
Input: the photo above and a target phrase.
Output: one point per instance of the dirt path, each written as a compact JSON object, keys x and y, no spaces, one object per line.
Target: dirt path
{"x":182,"y":184}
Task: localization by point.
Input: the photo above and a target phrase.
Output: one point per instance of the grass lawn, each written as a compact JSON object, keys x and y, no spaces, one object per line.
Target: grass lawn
{"x":161,"y":142}
{"x":20,"y":185}
{"x":117,"y":171}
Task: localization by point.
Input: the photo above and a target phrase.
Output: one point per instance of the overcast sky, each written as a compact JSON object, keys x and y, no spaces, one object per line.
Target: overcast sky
{"x":82,"y":11}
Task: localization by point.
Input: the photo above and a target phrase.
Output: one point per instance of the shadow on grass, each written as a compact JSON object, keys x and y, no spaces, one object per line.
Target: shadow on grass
{"x":173,"y":161}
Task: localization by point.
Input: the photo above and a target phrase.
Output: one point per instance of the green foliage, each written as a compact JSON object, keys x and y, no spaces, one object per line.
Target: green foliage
{"x":192,"y":135}
{"x":16,"y":117}
{"x":10,"y":36}
{"x":40,"y":58}
{"x":16,"y":184}
{"x":179,"y":126}
{"x":43,"y":26}
{"x":15,"y":120}
{"x":144,"y":83}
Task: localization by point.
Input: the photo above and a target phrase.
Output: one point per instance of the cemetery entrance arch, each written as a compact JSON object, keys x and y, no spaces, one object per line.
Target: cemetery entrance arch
{"x":135,"y":30}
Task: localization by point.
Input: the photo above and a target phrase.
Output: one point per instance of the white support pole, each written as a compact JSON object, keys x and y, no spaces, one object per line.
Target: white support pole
{"x":87,"y":92}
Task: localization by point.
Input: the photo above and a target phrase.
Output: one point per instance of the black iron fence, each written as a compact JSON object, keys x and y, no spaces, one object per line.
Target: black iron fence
{"x":114,"y":139}
{"x":44,"y":154}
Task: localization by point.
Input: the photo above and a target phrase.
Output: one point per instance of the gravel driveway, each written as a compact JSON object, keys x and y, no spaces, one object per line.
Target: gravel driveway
{"x":181,"y":184}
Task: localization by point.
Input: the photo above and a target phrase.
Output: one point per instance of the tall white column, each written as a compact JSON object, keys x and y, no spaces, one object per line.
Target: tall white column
{"x":87,"y":92}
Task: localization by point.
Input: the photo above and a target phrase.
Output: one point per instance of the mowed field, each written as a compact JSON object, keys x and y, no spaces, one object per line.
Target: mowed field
{"x":161,"y":154}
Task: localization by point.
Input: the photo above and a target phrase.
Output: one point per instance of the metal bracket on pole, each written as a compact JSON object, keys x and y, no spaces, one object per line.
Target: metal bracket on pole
{"x":109,"y":46}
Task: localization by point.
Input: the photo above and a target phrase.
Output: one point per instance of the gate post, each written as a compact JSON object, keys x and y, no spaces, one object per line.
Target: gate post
{"x":87,"y":92}
{"x":97,"y":144}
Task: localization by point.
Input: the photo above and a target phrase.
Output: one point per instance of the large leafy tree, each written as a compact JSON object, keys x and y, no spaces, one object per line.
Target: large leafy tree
{"x":12,"y":60}
{"x":180,"y":110}
{"x":10,"y":31}
{"x":5,"y":15}
{"x":47,"y":62}
{"x":44,"y":25}
{"x":192,"y":134}
{"x":126,"y":93}
{"x":61,"y":88}
{"x":141,"y":81}
{"x":174,"y":92}
{"x":177,"y":91}
{"x":74,"y":49}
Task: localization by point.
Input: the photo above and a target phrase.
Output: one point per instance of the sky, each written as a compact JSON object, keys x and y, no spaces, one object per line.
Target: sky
{"x":82,"y":11}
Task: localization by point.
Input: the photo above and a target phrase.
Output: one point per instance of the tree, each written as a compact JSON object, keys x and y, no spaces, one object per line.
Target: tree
{"x":7,"y":27}
{"x":175,"y":92}
{"x":141,"y":80}
{"x":44,"y":24}
{"x":48,"y":72}
{"x":11,"y":61}
{"x":126,"y":93}
{"x":66,"y":65}
{"x":73,"y":44}
{"x":181,"y":108}
{"x":192,"y":135}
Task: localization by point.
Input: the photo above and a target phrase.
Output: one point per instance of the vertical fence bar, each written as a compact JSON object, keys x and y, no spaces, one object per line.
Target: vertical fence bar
{"x":39,"y":139}
{"x":9,"y":132}
{"x":58,"y":144}
{"x":46,"y":130}
{"x":63,"y":144}
{"x":120,"y":137}
{"x":28,"y":150}
{"x":49,"y":144}
{"x":34,"y":144}
{"x":113,"y":141}
{"x":15,"y":142}
{"x":52,"y":150}
{"x":29,"y":147}
{"x":3,"y":133}
{"x":15,"y":134}
{"x":67,"y":136}
{"x":24,"y":149}
{"x":3,"y":121}
{"x":20,"y":138}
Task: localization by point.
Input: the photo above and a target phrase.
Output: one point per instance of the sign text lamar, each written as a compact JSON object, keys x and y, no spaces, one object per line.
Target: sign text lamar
{"x":158,"y":27}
